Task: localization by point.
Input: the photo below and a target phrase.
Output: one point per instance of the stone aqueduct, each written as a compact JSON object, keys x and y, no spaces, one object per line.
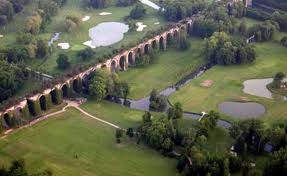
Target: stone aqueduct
{"x":120,"y":62}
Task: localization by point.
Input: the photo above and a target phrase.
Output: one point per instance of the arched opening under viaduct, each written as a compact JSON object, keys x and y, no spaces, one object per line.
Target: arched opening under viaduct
{"x":131,"y":59}
{"x":43,"y":103}
{"x":53,"y":94}
{"x":113,"y":66}
{"x":146,"y":49}
{"x":122,"y":63}
{"x":161,"y":43}
{"x":65,"y":91}
{"x":154,"y":44}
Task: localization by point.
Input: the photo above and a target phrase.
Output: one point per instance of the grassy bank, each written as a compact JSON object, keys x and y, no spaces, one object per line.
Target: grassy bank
{"x":170,"y":67}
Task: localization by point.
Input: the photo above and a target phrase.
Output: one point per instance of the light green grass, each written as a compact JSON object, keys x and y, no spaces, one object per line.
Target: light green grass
{"x":169,"y":68}
{"x":114,"y":113}
{"x":228,"y":83}
{"x":55,"y":143}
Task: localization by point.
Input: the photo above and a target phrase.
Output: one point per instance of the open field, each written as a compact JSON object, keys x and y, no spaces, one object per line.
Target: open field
{"x":72,"y":144}
{"x":114,"y":113}
{"x":169,"y":68}
{"x":228,"y":83}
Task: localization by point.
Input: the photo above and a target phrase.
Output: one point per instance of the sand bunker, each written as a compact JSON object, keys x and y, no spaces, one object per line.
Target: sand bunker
{"x":207,"y":83}
{"x":105,"y":13}
{"x":140,"y":26}
{"x":86,"y":18}
{"x":89,"y":44}
{"x":1,"y":36}
{"x":64,"y":45}
{"x":156,"y":23}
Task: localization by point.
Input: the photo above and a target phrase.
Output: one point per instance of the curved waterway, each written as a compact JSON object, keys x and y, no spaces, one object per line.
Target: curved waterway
{"x":143,"y":104}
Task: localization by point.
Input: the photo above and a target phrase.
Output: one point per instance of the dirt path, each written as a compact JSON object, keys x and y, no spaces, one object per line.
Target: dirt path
{"x":70,"y":104}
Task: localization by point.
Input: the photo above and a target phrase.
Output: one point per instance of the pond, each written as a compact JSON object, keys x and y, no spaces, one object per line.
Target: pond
{"x":151,"y":4}
{"x":242,"y":109}
{"x":107,"y":33}
{"x":258,"y":87}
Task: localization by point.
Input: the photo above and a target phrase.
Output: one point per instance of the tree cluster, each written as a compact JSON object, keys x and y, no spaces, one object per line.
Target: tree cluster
{"x":264,"y":31}
{"x":277,"y":80}
{"x":103,"y":84}
{"x":215,"y":20}
{"x":178,"y":10}
{"x":18,"y":168}
{"x":86,"y":54}
{"x":8,"y":8}
{"x":281,"y":19}
{"x":11,"y":79}
{"x":137,"y":12}
{"x":96,"y":4}
{"x":157,"y":102}
{"x":71,"y":23}
{"x":226,"y":50}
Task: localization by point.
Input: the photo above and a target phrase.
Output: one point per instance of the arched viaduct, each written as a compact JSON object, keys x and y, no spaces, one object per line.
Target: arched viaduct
{"x":32,"y":106}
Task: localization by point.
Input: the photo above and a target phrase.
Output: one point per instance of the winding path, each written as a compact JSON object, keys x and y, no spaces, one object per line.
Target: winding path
{"x":70,"y":104}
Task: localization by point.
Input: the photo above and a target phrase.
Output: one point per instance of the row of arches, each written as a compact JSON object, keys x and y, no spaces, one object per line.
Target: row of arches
{"x":80,"y":84}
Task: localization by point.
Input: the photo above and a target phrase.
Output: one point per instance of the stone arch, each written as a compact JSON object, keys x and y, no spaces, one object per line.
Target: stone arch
{"x":53,"y":94}
{"x":7,"y":119}
{"x":85,"y":80}
{"x":154,"y":44}
{"x":169,"y":38}
{"x":175,"y":35}
{"x":161,"y":43}
{"x":77,"y":85}
{"x":43,"y":103}
{"x":146,"y":48}
{"x":139,"y":53}
{"x":188,"y":27}
{"x":123,"y":63}
{"x":65,"y":91}
{"x":113,"y":66}
{"x":183,"y":28}
{"x":131,"y":59}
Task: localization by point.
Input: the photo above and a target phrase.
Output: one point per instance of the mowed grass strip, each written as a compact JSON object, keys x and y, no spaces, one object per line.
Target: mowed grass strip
{"x":228,"y":83}
{"x":114,"y":113}
{"x":170,"y":67}
{"x":72,"y":144}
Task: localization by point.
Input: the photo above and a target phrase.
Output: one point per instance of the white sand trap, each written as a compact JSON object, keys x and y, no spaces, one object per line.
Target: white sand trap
{"x":140,"y":26}
{"x":89,"y":44}
{"x":86,"y":18}
{"x":156,"y":23}
{"x":105,"y":13}
{"x":64,"y":45}
{"x":1,"y":36}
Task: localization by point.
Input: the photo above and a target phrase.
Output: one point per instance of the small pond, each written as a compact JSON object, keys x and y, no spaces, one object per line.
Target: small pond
{"x":242,"y":109}
{"x":151,"y":4}
{"x":258,"y":87}
{"x":107,"y":33}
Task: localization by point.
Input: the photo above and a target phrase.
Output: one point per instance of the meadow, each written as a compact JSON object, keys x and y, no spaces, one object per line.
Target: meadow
{"x":72,"y":144}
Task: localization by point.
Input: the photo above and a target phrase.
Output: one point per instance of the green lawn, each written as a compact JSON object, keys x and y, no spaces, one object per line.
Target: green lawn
{"x":121,"y":115}
{"x":169,"y":68}
{"x":228,"y":83}
{"x":72,"y":144}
